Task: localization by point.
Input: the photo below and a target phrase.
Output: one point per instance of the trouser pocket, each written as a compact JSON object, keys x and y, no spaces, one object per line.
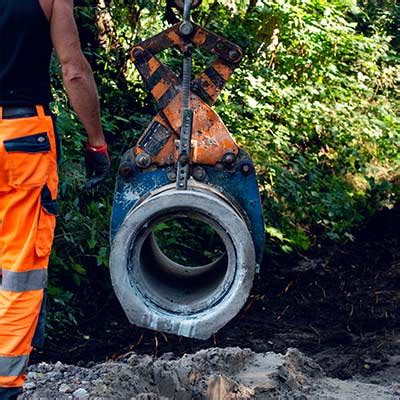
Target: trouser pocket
{"x":46,"y":224}
{"x":28,"y":160}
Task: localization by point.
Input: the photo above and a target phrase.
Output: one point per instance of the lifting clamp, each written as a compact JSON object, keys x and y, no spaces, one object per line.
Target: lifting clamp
{"x":186,"y":131}
{"x":186,"y":164}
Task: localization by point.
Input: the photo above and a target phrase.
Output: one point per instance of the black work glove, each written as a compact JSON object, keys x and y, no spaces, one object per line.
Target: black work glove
{"x":98,"y":165}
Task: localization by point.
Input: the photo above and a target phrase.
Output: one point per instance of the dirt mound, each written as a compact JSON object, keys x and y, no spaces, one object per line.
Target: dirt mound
{"x":213,"y":374}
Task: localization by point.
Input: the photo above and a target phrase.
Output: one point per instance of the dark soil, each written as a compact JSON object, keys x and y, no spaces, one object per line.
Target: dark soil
{"x":339,"y":305}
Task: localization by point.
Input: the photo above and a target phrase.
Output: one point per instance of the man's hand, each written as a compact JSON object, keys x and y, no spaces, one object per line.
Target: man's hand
{"x":98,"y":165}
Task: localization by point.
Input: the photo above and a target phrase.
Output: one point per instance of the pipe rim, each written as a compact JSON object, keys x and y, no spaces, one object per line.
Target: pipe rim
{"x":202,"y":325}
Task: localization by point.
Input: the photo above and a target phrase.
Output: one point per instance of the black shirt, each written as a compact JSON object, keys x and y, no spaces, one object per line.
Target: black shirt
{"x":25,"y":53}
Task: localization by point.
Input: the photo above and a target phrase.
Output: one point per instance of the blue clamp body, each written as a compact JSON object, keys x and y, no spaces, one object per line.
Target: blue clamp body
{"x":238,"y":183}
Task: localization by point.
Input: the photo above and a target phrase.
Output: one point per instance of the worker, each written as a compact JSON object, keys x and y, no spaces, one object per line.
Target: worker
{"x":29,"y":29}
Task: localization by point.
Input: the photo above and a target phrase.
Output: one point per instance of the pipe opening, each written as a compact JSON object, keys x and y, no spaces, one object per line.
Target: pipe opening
{"x":182,"y":262}
{"x":188,"y":241}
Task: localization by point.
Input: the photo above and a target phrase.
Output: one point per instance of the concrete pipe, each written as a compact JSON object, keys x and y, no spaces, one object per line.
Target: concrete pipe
{"x":160,"y":294}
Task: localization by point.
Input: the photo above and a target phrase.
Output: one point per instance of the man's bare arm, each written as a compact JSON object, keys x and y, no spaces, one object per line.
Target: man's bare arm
{"x":76,"y":71}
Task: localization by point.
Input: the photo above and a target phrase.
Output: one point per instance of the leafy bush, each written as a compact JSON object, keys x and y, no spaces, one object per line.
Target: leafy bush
{"x":316,"y":102}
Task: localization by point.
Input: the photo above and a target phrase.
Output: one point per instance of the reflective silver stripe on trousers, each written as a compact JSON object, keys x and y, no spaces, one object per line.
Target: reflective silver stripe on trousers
{"x":13,"y":365}
{"x":23,"y":281}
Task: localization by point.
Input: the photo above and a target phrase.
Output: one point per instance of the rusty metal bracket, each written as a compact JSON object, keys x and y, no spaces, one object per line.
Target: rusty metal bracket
{"x":209,"y":84}
{"x":211,"y":135}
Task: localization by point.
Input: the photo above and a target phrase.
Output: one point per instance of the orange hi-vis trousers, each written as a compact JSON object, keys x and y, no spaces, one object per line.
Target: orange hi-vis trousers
{"x":28,"y":190}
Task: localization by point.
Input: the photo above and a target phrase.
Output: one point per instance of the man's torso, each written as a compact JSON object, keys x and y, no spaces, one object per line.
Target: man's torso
{"x":25,"y":52}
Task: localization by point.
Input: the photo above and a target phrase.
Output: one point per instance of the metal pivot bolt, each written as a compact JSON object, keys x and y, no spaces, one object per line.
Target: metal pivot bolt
{"x":246,"y":168}
{"x":138,"y":53}
{"x":199,"y":173}
{"x":171,"y":175}
{"x":186,"y":28}
{"x":228,"y":159}
{"x":183,"y":159}
{"x":126,"y":169}
{"x":235,"y":56}
{"x":143,"y":160}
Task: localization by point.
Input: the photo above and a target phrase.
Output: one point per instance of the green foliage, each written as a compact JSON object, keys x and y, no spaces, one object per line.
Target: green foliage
{"x":316,"y":103}
{"x":188,"y":241}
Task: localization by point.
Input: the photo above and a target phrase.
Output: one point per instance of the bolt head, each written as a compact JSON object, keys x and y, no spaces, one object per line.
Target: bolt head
{"x":126,"y":169}
{"x":234,"y":55}
{"x":199,"y":173}
{"x":171,"y":175}
{"x":186,"y":28}
{"x":138,"y":53}
{"x":228,"y":159}
{"x":143,"y":160}
{"x":183,"y":159}
{"x":246,"y":169}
